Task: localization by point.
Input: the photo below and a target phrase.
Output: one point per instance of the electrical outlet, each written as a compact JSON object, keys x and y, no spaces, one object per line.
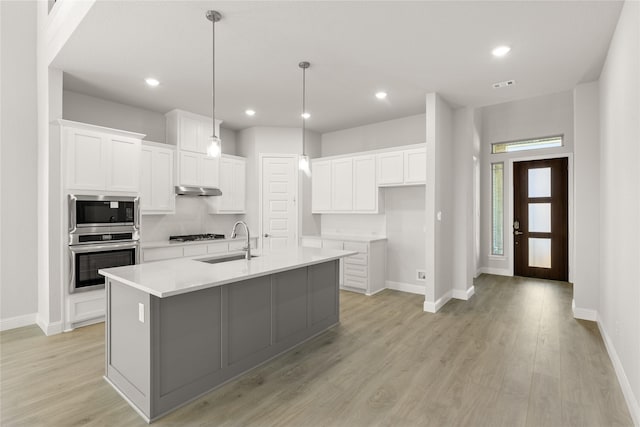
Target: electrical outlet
{"x":421,"y":275}
{"x":141,"y":312}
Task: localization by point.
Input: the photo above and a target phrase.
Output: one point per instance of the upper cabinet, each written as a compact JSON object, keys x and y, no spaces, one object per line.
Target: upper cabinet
{"x":96,"y":158}
{"x":189,"y":131}
{"x":350,"y":184}
{"x":157,"y":195}
{"x":402,"y":167}
{"x":233,"y":171}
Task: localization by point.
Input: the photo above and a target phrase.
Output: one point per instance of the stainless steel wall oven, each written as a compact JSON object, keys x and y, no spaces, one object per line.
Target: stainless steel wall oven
{"x":104,"y":231}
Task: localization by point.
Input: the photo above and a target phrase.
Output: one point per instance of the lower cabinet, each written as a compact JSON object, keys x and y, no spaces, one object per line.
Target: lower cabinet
{"x":364,"y":272}
{"x":84,"y":308}
{"x":194,"y":249}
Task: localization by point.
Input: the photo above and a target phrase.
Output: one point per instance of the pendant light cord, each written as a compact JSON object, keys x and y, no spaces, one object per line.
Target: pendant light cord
{"x":213,"y":75}
{"x":304,"y":110}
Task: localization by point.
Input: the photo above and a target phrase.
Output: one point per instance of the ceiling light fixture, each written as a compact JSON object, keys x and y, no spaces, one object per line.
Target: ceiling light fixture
{"x":150,"y":81}
{"x":250,"y":112}
{"x":304,"y":159}
{"x":501,"y":51}
{"x":215,"y":146}
{"x":381,"y":95}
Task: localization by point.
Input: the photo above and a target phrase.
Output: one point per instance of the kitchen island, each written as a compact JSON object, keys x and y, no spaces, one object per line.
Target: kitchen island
{"x":177,"y":329}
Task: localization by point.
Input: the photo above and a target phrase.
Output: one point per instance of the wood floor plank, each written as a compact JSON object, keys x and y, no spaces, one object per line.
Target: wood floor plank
{"x":512,"y":355}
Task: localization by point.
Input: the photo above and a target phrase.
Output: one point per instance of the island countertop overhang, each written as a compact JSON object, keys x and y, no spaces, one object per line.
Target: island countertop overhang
{"x":178,"y":276}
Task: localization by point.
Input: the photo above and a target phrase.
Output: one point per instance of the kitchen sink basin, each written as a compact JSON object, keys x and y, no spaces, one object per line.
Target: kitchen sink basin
{"x":218,"y":260}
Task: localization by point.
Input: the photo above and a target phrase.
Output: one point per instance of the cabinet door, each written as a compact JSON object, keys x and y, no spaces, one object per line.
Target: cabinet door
{"x":162,"y":191}
{"x":390,"y":168}
{"x":124,"y":165}
{"x":86,"y":159}
{"x":321,"y":186}
{"x":146,"y":179}
{"x":225,"y":202}
{"x":342,"y":185}
{"x":415,"y":166}
{"x":240,"y":185}
{"x":365,"y":190}
{"x":189,"y":134}
{"x":209,"y":171}
{"x":189,"y":164}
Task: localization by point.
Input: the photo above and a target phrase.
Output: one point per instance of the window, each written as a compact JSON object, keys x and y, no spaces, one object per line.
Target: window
{"x":527,"y":144}
{"x":497,"y":208}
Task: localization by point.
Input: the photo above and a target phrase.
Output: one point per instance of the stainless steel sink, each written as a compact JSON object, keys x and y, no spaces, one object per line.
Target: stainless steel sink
{"x":218,"y":260}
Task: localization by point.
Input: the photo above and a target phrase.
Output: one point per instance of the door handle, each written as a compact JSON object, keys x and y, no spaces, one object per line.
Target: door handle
{"x":267,"y":235}
{"x":517,"y":233}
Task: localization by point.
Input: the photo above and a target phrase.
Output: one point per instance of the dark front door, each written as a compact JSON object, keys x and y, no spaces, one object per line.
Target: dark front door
{"x":540,"y":219}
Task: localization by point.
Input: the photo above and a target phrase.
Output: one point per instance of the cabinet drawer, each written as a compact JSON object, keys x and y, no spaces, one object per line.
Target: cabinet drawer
{"x":217,"y":248}
{"x":360,"y":259}
{"x":311,"y":243}
{"x":195,"y":250}
{"x":355,"y":282}
{"x":157,"y":254}
{"x":355,"y":246}
{"x":355,"y":270}
{"x":239,"y":245}
{"x":332,"y":244}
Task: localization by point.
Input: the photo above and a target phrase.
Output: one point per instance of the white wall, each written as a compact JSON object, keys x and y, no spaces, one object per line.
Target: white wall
{"x":619,"y":308}
{"x":391,"y":133}
{"x":18,"y":160}
{"x":586,"y":200}
{"x":525,"y":119}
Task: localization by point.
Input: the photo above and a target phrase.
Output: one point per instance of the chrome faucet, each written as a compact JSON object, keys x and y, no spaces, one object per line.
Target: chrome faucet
{"x":248,"y":247}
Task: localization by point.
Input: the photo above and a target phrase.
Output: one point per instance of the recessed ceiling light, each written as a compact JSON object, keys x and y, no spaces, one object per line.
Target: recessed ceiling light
{"x":250,"y":112}
{"x":305,"y":115}
{"x":500,"y":51}
{"x":381,"y":95}
{"x":152,"y":82}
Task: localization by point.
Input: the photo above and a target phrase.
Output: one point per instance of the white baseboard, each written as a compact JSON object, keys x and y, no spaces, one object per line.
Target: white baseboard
{"x":405,"y":287}
{"x":49,"y":328}
{"x":496,"y":271}
{"x":433,"y":307}
{"x":583,"y":313}
{"x":627,"y":391}
{"x":18,"y":321}
{"x":464,"y":294}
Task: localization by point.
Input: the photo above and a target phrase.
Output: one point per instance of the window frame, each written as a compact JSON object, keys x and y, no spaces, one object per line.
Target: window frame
{"x":493,"y":252}
{"x":523,"y":142}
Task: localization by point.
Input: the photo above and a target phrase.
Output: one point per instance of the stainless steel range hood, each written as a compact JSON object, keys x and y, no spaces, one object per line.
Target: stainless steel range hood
{"x":197,"y":191}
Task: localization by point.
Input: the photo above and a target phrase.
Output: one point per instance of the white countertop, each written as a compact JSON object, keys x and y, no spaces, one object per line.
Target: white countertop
{"x":179,"y":276}
{"x":347,"y":237}
{"x":173,"y":243}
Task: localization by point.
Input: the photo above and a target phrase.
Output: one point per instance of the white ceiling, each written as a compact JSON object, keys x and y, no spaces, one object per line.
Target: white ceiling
{"x":355,"y":48}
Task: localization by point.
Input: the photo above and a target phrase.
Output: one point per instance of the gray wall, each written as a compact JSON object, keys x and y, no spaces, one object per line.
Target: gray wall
{"x":619,"y":307}
{"x":403,"y":220}
{"x":18,"y":159}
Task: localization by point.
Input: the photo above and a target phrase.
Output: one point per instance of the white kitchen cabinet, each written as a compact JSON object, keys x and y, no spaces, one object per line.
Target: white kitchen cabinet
{"x":209,"y":171}
{"x":157,"y":194}
{"x":96,"y":158}
{"x":233,"y":186}
{"x":342,"y":185}
{"x":365,"y":191}
{"x":198,"y":170}
{"x":403,"y":167}
{"x":320,"y":186}
{"x":190,"y":132}
{"x":391,"y":168}
{"x":363,"y":272}
{"x":196,"y":250}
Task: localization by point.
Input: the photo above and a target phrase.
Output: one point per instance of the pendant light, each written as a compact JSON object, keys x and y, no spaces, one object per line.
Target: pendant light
{"x":304,"y":159}
{"x":215,"y":145}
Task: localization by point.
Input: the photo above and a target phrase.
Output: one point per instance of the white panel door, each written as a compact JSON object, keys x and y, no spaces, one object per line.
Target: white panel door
{"x":146,"y":179}
{"x":86,"y":160}
{"x":415,"y":166}
{"x":209,"y":171}
{"x":365,"y":190}
{"x":162,"y":191}
{"x":279,"y":196}
{"x":240,"y":185}
{"x":124,"y":164}
{"x":342,"y":185}
{"x":390,"y":168}
{"x":189,"y":164}
{"x":321,"y":186}
{"x":189,"y":134}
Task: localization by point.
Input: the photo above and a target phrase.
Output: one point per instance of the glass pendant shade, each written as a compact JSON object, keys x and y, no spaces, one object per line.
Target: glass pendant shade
{"x":304,"y":164}
{"x":215,"y":147}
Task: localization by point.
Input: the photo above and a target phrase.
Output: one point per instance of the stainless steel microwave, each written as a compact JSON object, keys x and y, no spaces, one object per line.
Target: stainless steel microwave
{"x":98,"y":215}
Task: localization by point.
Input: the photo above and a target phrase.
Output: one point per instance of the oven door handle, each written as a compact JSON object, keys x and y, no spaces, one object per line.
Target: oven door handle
{"x":103,"y":247}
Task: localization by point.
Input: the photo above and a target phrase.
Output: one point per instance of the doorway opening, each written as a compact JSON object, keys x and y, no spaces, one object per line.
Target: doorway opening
{"x":541,"y":219}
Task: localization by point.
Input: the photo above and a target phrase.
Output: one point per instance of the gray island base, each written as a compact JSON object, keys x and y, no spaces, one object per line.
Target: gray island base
{"x":165,"y":352}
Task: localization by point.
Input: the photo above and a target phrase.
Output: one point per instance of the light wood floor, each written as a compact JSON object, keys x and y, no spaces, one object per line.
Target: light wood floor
{"x":511,"y":355}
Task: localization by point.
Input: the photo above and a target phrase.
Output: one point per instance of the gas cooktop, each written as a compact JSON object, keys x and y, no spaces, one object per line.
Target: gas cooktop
{"x":195,"y":237}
